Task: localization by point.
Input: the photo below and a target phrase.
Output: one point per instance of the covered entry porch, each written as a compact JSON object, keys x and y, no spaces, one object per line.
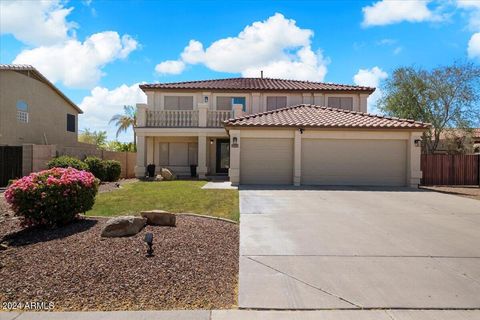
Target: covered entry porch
{"x":207,"y":149}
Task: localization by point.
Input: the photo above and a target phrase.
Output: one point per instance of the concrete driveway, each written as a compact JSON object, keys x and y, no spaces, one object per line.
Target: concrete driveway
{"x":358,"y":248}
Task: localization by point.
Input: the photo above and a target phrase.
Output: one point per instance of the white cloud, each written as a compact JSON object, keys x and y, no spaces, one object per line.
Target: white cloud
{"x":102,"y":104}
{"x":277,"y":46}
{"x":371,"y":78}
{"x":78,"y":64}
{"x":474,"y":46}
{"x":387,"y":12}
{"x":36,"y":22}
{"x":170,"y":67}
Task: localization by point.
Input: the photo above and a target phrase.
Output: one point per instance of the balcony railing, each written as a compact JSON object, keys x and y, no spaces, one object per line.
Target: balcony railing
{"x":172,"y":118}
{"x":216,"y":118}
{"x":201,"y":117}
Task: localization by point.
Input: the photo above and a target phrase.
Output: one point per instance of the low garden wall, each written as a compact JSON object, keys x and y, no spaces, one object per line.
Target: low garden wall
{"x":35,"y":157}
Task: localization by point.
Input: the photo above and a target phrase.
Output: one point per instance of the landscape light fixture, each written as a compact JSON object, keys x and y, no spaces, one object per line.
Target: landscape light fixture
{"x":149,"y":241}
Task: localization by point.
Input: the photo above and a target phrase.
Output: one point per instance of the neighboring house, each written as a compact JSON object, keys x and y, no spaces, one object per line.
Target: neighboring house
{"x":33,"y":110}
{"x":459,"y":141}
{"x":280,"y":135}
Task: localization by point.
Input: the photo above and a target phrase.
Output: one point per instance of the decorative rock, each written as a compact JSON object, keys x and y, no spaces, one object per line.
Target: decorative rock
{"x":123,"y":226}
{"x":167,"y":174}
{"x":159,"y":218}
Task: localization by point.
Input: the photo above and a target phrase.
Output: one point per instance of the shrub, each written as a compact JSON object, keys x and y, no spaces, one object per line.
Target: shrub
{"x":52,"y":197}
{"x":66,"y":162}
{"x":113,"y":170}
{"x":97,"y":167}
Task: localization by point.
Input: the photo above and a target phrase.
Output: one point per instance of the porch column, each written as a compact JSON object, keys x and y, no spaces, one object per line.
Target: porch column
{"x":234,"y":170}
{"x":414,"y":173}
{"x":202,"y":156}
{"x":141,"y":115}
{"x":297,"y":158}
{"x":202,"y":114}
{"x":140,"y":166}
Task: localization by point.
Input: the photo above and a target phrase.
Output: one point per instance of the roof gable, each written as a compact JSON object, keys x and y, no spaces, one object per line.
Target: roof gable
{"x":312,"y":116}
{"x":40,"y":77}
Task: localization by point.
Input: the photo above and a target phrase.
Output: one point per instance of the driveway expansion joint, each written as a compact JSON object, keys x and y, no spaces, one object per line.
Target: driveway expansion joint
{"x":306,"y":283}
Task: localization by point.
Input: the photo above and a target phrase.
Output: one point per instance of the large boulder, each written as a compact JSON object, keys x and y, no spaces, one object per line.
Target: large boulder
{"x":123,"y":226}
{"x":167,"y":174}
{"x":159,"y":218}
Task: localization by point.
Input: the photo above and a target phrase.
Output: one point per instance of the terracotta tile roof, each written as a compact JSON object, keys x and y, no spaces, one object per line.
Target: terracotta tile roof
{"x":312,"y":116}
{"x":257,"y":84}
{"x":35,"y":73}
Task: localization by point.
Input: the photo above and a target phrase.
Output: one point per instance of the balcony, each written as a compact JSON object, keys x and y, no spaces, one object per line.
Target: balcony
{"x":202,"y":117}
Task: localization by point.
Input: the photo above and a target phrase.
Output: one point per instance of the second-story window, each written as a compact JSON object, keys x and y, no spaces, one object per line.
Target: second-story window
{"x":340,"y":102}
{"x":226,"y":103}
{"x":274,"y":103}
{"x":22,"y":111}
{"x":178,"y":103}
{"x":71,"y":123}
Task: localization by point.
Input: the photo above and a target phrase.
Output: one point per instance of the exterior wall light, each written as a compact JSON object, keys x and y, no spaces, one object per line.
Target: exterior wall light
{"x":205,"y":99}
{"x":234,"y":142}
{"x":301,"y":130}
{"x":211,"y":141}
{"x":418,"y":142}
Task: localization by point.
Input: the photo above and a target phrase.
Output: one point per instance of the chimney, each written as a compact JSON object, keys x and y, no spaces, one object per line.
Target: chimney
{"x":261,"y":74}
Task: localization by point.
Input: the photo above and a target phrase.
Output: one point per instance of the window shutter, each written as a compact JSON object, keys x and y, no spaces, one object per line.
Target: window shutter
{"x":171,"y":103}
{"x":224,"y":103}
{"x":185,"y":103}
{"x":334,"y":102}
{"x":347,"y":103}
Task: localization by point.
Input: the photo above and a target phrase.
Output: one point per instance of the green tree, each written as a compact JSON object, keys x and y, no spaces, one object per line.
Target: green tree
{"x":98,"y":138}
{"x":125,"y":121}
{"x":120,"y":146}
{"x":446,"y":97}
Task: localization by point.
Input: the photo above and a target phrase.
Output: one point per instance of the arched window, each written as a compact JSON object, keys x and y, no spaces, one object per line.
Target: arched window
{"x":22,"y":111}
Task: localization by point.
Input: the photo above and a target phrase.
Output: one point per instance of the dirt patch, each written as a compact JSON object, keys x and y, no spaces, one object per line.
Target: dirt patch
{"x":472,"y":192}
{"x":195,"y":266}
{"x":111,"y":186}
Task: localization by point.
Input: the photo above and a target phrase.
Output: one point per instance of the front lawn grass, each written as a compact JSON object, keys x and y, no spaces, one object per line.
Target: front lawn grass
{"x":173,"y":196}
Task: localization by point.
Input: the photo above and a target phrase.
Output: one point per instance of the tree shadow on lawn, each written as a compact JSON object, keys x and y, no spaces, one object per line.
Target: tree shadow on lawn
{"x":32,"y":235}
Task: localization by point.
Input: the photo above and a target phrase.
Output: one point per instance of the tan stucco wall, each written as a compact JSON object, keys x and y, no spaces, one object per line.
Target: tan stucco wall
{"x":397,"y":137}
{"x":255,"y":101}
{"x":47,"y":112}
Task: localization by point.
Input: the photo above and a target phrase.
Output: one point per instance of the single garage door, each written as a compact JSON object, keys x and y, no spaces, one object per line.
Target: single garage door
{"x":354,"y":162}
{"x":266,"y":161}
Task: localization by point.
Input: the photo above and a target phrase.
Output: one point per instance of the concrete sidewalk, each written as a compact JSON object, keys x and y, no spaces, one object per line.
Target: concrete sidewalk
{"x":250,"y":315}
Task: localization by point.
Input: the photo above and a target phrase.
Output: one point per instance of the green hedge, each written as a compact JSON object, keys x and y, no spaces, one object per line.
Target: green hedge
{"x":104,"y":170}
{"x":67,"y":162}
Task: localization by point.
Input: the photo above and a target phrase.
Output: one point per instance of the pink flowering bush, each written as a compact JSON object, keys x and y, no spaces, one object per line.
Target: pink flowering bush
{"x":52,"y":197}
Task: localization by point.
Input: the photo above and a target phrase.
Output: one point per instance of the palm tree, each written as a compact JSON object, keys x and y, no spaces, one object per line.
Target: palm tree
{"x":125,"y":121}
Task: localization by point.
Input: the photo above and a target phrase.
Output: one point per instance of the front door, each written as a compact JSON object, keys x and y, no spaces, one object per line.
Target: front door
{"x":223,"y":156}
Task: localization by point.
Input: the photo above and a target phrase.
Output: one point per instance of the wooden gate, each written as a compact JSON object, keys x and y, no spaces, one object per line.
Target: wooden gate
{"x":441,"y":169}
{"x":10,"y":164}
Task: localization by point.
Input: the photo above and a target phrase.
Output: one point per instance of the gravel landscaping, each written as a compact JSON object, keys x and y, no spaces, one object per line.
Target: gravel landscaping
{"x":195,"y":265}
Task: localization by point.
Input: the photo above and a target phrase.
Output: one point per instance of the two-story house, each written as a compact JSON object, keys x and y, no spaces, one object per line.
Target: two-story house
{"x":33,"y":110}
{"x":278,"y":132}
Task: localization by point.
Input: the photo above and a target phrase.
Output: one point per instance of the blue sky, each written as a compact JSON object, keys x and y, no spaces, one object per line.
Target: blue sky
{"x":97,"y":52}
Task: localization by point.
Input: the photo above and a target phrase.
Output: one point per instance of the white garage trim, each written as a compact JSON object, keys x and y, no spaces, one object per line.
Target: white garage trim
{"x":266,"y":161}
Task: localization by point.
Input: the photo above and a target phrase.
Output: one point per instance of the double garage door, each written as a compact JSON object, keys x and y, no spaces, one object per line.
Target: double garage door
{"x":324,"y":162}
